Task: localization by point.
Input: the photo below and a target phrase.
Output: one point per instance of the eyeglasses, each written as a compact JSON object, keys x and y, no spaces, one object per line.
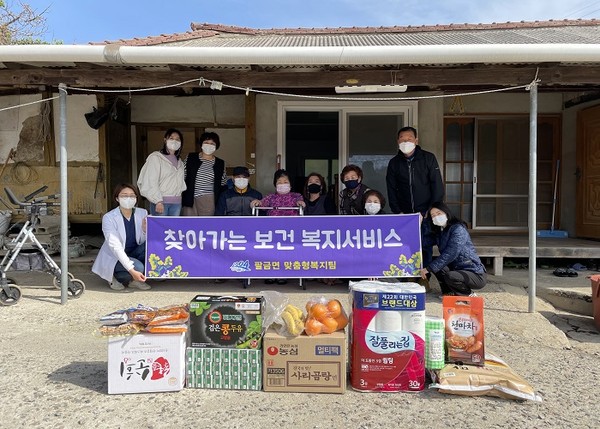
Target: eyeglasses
{"x":127,"y":196}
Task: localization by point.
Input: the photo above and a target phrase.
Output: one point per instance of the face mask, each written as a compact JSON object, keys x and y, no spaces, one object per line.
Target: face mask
{"x":440,"y":220}
{"x":240,"y":182}
{"x":351,"y":184}
{"x":208,"y":149}
{"x":173,"y":145}
{"x":314,"y":188}
{"x":127,"y":202}
{"x":283,"y":188}
{"x":372,"y":208}
{"x":406,"y":147}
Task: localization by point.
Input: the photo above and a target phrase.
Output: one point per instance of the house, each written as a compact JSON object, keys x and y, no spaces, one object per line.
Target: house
{"x":270,"y":94}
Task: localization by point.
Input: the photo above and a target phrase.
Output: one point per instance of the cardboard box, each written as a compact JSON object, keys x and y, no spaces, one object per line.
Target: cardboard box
{"x":304,"y":364}
{"x":146,"y":363}
{"x":226,"y":321}
{"x":224,"y":368}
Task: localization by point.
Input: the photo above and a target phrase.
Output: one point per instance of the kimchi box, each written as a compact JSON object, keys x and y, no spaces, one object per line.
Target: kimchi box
{"x":226,"y":321}
{"x":146,"y":363}
{"x":224,"y":368}
{"x":304,"y":364}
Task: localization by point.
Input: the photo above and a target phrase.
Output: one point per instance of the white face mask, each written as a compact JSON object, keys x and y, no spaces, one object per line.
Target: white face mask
{"x":208,"y":148}
{"x":372,"y":208}
{"x":127,"y":202}
{"x":284,"y":188}
{"x":440,"y":220}
{"x":406,"y":147}
{"x":173,"y":145}
{"x":240,"y":182}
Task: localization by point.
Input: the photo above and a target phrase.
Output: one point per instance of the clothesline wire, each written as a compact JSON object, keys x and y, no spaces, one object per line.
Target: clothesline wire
{"x":217,"y":85}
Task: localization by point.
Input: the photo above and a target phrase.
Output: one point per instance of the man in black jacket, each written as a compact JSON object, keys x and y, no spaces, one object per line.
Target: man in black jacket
{"x":414,"y":183}
{"x":236,"y":201}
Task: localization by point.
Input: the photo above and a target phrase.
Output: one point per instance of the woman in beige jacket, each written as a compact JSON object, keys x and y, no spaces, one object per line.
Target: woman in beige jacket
{"x":161,"y":179}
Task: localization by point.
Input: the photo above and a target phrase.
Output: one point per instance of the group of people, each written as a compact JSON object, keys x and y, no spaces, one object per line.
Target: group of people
{"x":198,"y":186}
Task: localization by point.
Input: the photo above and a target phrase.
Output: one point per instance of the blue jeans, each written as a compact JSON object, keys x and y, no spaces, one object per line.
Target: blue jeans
{"x":169,"y":210}
{"x":137,"y":256}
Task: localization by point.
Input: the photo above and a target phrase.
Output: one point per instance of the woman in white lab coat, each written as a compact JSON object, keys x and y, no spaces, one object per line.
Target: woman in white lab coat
{"x":121,"y":257}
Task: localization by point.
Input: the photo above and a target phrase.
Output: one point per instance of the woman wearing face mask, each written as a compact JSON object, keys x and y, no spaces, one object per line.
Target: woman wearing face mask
{"x":373,"y":202}
{"x":121,"y":258}
{"x":315,"y":196}
{"x":351,"y":196}
{"x":161,"y":179}
{"x":205,"y":177}
{"x":458,"y":268}
{"x":282,"y":198}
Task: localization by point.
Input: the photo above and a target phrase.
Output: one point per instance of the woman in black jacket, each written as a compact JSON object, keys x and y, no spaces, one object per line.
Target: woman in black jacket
{"x":205,"y":177}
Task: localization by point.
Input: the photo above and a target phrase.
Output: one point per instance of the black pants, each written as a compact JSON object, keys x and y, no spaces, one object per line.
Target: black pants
{"x":460,"y":282}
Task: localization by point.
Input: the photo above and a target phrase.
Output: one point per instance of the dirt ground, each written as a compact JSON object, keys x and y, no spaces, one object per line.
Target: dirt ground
{"x":54,"y":373}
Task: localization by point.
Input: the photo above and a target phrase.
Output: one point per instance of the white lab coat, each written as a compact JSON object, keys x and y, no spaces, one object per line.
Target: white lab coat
{"x":113,"y":249}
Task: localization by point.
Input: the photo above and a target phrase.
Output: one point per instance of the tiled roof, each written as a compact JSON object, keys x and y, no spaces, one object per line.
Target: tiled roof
{"x":217,"y":35}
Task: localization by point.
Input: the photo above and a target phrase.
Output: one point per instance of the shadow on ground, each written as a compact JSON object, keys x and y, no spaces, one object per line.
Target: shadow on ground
{"x":89,"y":375}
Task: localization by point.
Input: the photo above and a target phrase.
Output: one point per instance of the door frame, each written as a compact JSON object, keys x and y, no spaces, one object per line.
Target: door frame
{"x":409,"y":108}
{"x":583,"y":229}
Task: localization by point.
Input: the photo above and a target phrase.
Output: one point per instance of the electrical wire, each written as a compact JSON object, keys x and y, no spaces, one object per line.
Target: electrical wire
{"x":215,"y":84}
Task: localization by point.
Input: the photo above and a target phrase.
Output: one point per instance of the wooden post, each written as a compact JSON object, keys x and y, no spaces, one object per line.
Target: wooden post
{"x":250,"y":146}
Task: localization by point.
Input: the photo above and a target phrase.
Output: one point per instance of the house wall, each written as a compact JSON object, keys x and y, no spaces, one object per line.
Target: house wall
{"x":32,"y":167}
{"x":83,"y":146}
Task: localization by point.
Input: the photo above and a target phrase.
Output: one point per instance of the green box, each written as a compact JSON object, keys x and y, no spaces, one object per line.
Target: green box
{"x":224,"y":368}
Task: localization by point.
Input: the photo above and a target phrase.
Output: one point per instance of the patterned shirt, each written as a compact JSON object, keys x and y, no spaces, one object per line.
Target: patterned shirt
{"x":282,"y":200}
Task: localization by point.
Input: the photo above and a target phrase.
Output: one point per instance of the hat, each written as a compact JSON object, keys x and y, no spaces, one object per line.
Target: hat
{"x":241,"y":171}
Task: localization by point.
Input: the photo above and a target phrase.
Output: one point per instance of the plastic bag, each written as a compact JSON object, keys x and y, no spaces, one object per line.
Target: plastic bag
{"x":117,"y":330}
{"x":167,"y":329}
{"x":172,"y":314}
{"x":286,"y":319}
{"x":275,"y":302}
{"x":324,"y":316}
{"x":495,"y":378}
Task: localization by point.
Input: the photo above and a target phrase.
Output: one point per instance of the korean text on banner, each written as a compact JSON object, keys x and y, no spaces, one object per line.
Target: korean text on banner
{"x":280,"y":247}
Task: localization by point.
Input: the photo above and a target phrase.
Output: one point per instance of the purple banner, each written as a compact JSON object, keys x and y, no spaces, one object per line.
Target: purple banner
{"x":284,"y":247}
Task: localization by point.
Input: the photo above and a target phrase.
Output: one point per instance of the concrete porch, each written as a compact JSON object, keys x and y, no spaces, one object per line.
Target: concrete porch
{"x":498,"y":247}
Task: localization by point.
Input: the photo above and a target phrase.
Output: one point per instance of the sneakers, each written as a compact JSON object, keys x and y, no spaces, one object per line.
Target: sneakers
{"x":116,"y":285}
{"x":472,"y":294}
{"x":140,"y":285}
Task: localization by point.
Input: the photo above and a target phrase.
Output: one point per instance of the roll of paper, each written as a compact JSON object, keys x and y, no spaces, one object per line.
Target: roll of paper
{"x":434,"y":343}
{"x":414,"y":322}
{"x":386,"y":321}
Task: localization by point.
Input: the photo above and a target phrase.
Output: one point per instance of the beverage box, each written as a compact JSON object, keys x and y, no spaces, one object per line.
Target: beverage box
{"x":224,"y":368}
{"x":146,"y":363}
{"x":226,"y":321}
{"x":304,"y":363}
{"x":463,"y":316}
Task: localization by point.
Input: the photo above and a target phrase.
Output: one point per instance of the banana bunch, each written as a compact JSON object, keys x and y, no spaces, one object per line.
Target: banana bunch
{"x":293,"y":318}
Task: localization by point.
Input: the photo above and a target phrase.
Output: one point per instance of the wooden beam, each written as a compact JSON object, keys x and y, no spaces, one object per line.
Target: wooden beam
{"x":432,"y":77}
{"x":250,"y":141}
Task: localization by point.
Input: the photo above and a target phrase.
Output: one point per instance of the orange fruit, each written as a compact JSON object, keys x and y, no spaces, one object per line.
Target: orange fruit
{"x":329,"y":325}
{"x":342,"y":321}
{"x":318,"y":311}
{"x":335,"y":308}
{"x":313,"y":327}
{"x":309,"y":304}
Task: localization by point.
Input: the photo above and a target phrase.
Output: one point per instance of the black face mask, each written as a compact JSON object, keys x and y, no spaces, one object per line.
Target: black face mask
{"x":351,"y":184}
{"x":314,"y":188}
